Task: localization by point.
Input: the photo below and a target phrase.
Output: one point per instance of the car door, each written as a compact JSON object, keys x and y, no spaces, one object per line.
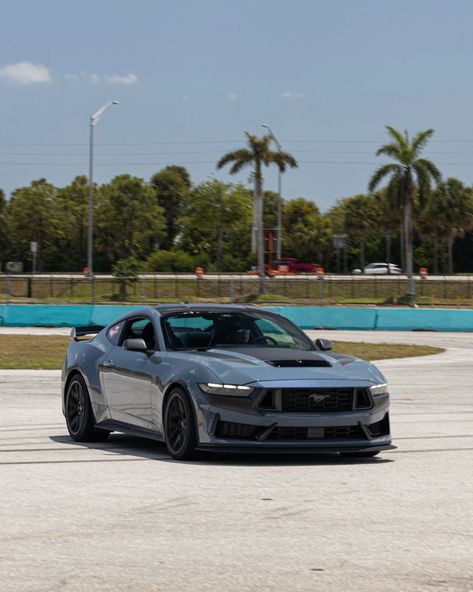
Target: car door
{"x":127,"y":375}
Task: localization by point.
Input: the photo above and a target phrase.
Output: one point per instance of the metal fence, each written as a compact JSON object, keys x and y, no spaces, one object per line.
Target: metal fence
{"x":153,"y":288}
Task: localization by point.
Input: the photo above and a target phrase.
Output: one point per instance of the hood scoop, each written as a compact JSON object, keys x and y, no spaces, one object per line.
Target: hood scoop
{"x":295,"y":363}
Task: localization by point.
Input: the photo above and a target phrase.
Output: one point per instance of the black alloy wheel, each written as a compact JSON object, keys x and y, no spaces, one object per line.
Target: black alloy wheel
{"x":79,"y":416}
{"x":179,"y":426}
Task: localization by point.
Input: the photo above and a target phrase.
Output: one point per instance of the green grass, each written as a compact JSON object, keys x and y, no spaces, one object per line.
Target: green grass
{"x":47,"y":351}
{"x":383,"y":351}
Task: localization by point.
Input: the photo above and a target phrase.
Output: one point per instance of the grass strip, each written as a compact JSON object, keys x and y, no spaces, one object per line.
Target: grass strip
{"x":47,"y":352}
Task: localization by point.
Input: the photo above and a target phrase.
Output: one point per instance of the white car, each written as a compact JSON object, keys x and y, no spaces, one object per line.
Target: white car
{"x":380,"y":269}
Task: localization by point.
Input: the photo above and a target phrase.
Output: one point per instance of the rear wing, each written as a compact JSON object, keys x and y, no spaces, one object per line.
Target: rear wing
{"x":77,"y":332}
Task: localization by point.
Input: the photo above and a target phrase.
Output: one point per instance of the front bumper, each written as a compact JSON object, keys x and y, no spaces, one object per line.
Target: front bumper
{"x":237,"y":424}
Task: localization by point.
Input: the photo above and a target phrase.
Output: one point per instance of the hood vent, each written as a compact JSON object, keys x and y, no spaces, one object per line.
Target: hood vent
{"x":299,"y":363}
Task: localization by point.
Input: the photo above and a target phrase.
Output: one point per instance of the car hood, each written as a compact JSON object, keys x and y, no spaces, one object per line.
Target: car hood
{"x":267,"y":364}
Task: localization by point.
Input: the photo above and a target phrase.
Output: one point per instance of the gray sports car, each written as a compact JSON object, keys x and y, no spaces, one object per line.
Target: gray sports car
{"x":222,"y":378}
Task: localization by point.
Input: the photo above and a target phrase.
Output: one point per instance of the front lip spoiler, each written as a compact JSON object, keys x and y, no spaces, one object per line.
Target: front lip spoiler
{"x":286,"y":448}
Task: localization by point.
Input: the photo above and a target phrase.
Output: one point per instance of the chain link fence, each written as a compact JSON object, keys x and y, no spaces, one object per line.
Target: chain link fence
{"x":236,"y":288}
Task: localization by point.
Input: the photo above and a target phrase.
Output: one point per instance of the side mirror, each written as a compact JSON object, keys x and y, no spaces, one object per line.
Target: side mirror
{"x":323,"y":344}
{"x":135,"y":345}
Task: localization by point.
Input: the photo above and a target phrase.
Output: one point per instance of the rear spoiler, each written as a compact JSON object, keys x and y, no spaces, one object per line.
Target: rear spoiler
{"x":77,"y":332}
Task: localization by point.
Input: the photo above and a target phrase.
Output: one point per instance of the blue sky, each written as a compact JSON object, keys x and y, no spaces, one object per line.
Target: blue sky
{"x":192,"y":76}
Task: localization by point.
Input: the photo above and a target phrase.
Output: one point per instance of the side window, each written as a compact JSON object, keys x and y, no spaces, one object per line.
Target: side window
{"x":141,"y":328}
{"x":113,"y":333}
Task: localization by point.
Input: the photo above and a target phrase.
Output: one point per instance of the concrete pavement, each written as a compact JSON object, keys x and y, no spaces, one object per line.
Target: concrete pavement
{"x":121,"y":516}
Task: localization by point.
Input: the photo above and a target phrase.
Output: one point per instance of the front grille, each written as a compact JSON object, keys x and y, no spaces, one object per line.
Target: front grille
{"x":236,"y":431}
{"x":380,"y":428}
{"x":317,"y":400}
{"x":327,"y":433}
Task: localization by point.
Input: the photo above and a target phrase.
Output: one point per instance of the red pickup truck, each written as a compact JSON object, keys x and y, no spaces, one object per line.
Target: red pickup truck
{"x":289,"y":265}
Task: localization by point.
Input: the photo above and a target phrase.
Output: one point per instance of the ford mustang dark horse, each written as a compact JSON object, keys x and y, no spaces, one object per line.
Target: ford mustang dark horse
{"x":222,"y":378}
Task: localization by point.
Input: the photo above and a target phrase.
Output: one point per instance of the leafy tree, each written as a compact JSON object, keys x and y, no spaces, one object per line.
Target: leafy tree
{"x":30,"y":219}
{"x":450,"y":211}
{"x":217,"y":222}
{"x":303,"y":230}
{"x":172,"y":185}
{"x":257,"y":154}
{"x":389,"y":218}
{"x":407,"y":173}
{"x":129,"y":222}
{"x":3,"y":229}
{"x":361,"y":216}
{"x":69,"y":226}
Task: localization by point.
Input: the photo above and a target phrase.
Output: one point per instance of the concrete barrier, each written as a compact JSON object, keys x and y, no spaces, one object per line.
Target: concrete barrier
{"x":306,"y":317}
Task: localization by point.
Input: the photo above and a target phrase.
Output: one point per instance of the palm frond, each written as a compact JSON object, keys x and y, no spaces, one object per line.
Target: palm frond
{"x":383,"y":171}
{"x":424,"y":183}
{"x":243,"y":155}
{"x":282,"y":160}
{"x":392,"y":150}
{"x":420,"y":140}
{"x":238,"y":165}
{"x":430,"y":167}
{"x":398,"y":136}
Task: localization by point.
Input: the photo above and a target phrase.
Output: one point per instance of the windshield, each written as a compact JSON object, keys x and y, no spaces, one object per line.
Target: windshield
{"x":204,"y":330}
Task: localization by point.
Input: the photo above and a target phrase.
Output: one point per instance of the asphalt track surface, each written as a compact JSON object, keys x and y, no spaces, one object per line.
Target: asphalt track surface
{"x":122,"y":516}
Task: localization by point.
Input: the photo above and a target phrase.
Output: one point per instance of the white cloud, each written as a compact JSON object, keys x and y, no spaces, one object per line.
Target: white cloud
{"x":26,"y":73}
{"x":233,"y":96}
{"x":185,"y":97}
{"x":292,"y":95}
{"x":126,"y":79}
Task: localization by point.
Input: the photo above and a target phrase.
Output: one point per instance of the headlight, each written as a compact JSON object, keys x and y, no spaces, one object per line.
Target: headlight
{"x":379,"y":389}
{"x":231,"y":390}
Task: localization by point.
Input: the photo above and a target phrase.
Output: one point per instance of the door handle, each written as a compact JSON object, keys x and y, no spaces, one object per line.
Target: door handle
{"x":108,"y":364}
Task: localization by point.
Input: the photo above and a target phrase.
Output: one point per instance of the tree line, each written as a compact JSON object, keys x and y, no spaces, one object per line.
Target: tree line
{"x":171,"y":224}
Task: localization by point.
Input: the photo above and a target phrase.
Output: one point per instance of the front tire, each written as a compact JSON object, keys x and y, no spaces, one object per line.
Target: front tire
{"x":79,"y":415}
{"x":179,"y":426}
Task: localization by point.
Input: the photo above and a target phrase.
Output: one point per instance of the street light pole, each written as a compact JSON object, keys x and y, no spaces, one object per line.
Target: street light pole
{"x":279,"y":212}
{"x":94,"y":119}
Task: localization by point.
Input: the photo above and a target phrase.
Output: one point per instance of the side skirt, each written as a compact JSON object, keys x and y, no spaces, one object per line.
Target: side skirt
{"x":120,"y":426}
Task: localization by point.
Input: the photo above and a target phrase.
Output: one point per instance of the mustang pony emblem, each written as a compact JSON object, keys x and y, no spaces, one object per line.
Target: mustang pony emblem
{"x":318,"y":397}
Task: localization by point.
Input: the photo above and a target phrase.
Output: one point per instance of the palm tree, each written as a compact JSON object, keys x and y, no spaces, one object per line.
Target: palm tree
{"x":257,"y":154}
{"x":408,"y":176}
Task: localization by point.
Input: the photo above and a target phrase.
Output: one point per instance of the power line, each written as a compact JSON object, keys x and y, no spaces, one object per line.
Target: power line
{"x":239,"y":141}
{"x":207,"y":162}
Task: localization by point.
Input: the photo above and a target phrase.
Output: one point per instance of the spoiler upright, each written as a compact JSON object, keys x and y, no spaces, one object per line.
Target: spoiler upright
{"x":77,"y":332}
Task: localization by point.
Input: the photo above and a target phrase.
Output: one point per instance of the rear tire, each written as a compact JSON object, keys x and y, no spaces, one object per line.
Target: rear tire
{"x":79,"y":415}
{"x":365,"y":454}
{"x":179,"y":426}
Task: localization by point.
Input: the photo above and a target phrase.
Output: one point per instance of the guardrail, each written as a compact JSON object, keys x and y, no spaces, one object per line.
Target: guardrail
{"x":306,"y":317}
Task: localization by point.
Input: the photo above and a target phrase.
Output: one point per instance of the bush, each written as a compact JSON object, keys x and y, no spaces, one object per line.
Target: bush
{"x":171,"y":261}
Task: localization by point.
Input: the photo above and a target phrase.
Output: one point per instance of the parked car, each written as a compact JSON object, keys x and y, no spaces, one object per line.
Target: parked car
{"x":222,"y":378}
{"x":380,"y":269}
{"x":290,"y":265}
